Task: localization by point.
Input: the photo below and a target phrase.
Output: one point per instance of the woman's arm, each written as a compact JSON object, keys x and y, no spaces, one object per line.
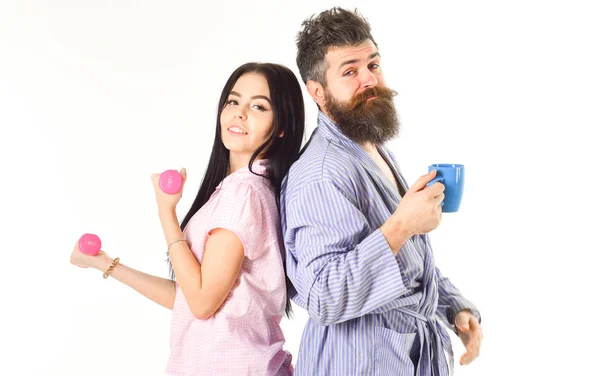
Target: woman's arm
{"x":159,"y":290}
{"x":205,"y":287}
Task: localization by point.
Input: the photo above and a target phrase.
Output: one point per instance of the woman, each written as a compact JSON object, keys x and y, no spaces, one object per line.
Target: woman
{"x":227,"y":254}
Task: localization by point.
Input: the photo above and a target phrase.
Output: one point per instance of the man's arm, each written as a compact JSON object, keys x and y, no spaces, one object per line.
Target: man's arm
{"x":451,"y":302}
{"x":346,"y":269}
{"x":460,"y":315}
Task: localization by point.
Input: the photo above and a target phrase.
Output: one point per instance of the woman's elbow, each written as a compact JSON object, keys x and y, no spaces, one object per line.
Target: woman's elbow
{"x":206,"y":309}
{"x":203,"y":313}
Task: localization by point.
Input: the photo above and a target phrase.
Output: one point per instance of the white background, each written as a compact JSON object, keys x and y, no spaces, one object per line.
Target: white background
{"x":97,"y":95}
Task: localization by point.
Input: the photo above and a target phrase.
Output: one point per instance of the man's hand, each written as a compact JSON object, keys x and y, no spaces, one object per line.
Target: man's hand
{"x":420,"y":210}
{"x":470,"y":333}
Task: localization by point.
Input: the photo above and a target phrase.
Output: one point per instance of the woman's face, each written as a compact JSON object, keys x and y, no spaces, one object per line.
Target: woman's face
{"x":247,"y":118}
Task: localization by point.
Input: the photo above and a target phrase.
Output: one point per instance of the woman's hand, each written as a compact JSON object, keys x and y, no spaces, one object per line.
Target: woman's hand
{"x":101,"y":261}
{"x":167,"y":202}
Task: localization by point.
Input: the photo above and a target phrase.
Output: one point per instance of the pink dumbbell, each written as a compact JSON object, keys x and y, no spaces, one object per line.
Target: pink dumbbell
{"x":89,"y":244}
{"x":170,"y":182}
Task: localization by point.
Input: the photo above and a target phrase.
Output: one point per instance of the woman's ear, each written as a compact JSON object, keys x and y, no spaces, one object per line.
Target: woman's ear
{"x":280,"y":135}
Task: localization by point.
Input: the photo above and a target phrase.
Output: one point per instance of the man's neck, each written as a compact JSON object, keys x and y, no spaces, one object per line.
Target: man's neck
{"x":369,"y":147}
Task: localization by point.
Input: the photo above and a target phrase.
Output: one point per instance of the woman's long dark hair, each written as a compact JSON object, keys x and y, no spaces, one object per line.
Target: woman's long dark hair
{"x":288,"y":117}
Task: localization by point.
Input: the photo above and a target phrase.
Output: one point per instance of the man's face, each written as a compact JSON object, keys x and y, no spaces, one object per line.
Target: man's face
{"x":356,"y":96}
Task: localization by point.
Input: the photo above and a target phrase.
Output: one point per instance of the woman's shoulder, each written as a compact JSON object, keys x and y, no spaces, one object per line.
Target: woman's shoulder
{"x":249,"y":184}
{"x":247,"y":193}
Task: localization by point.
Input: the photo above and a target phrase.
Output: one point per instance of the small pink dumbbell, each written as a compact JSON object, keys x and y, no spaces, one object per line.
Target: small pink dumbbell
{"x":89,"y":244}
{"x":170,"y":182}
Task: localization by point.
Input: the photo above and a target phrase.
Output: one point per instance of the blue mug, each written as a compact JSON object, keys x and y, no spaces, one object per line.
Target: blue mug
{"x":453,"y":178}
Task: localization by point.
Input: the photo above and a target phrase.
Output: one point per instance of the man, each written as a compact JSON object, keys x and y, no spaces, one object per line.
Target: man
{"x":358,"y":253}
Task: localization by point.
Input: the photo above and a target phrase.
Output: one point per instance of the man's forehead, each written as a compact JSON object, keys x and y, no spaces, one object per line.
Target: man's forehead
{"x":362,"y":51}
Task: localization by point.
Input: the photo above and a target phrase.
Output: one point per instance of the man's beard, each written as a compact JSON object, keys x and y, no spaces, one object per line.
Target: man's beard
{"x":374,"y":121}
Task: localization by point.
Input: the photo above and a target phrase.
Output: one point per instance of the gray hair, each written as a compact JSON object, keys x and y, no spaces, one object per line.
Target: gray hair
{"x":335,"y":27}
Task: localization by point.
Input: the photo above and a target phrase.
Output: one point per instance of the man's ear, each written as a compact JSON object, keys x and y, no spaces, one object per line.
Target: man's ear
{"x":317,"y":92}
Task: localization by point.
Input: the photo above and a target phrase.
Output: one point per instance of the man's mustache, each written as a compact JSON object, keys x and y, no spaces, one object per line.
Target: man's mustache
{"x":375,"y":91}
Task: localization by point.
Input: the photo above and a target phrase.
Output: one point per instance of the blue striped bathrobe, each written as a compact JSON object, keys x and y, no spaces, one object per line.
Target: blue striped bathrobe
{"x":371,"y":313}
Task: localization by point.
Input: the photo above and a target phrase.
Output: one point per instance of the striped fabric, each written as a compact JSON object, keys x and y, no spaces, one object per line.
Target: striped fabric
{"x":370,"y":313}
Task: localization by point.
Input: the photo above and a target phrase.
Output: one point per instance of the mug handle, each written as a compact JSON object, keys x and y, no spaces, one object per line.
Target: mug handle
{"x":435,"y":180}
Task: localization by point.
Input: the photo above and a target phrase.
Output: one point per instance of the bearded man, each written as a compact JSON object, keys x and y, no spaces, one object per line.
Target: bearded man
{"x":358,"y":253}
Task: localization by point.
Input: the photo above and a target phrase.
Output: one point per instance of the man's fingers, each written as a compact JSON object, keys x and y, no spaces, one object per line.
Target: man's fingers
{"x":467,"y":357}
{"x":438,"y":199}
{"x":473,"y":346}
{"x":462,"y":321}
{"x":436,"y":189}
{"x":472,"y":352}
{"x":422,"y":182}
